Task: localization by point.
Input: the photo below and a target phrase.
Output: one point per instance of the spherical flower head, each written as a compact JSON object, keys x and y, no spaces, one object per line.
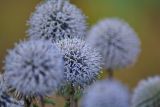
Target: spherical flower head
{"x":34,"y":68}
{"x":147,"y":93}
{"x":56,"y":19}
{"x":116,"y":41}
{"x":2,"y":85}
{"x":82,"y":62}
{"x":104,"y":93}
{"x":5,"y":100}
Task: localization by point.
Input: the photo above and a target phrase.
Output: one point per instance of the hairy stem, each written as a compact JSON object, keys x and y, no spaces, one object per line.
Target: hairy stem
{"x":27,"y":102}
{"x":67,"y":104}
{"x":74,"y":103}
{"x":110,"y":73}
{"x":42,"y":102}
{"x":71,"y":101}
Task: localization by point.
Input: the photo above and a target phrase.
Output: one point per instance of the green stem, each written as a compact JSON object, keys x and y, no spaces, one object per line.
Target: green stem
{"x":67,"y":104}
{"x":71,"y":101}
{"x":42,"y":102}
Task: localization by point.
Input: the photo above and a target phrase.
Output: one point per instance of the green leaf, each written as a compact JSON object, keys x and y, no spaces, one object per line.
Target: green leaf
{"x":34,"y":105}
{"x":49,"y":101}
{"x":78,"y":94}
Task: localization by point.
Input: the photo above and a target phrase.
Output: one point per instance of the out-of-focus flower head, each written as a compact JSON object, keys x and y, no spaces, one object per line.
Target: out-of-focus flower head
{"x":116,"y":41}
{"x":106,"y":93}
{"x":34,"y":68}
{"x":147,"y":93}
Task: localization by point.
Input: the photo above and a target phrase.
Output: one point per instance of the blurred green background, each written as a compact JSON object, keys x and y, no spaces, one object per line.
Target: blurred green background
{"x":142,"y":15}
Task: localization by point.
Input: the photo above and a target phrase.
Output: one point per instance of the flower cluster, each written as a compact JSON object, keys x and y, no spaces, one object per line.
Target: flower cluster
{"x":55,"y":53}
{"x":60,"y":56}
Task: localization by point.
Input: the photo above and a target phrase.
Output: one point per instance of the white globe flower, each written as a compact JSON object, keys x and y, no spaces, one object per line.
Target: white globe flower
{"x":106,"y":93}
{"x":5,"y":100}
{"x":34,"y":68}
{"x":56,"y":19}
{"x":82,"y":62}
{"x":116,"y":41}
{"x":147,"y":93}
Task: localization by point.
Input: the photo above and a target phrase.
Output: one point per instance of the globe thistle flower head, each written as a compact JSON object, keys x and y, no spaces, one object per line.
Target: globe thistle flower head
{"x":7,"y":91}
{"x":56,"y":19}
{"x":147,"y":93}
{"x":116,"y":41}
{"x":2,"y":85}
{"x":82,"y":62}
{"x":104,"y":93}
{"x":34,"y":68}
{"x":5,"y":100}
{"x":108,"y":93}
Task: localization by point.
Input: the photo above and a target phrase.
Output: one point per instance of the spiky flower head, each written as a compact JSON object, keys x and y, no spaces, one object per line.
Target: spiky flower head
{"x":5,"y":100}
{"x":82,"y":62}
{"x":106,"y":93}
{"x":56,"y":19}
{"x":116,"y":41}
{"x":2,"y":84}
{"x":34,"y":68}
{"x":147,"y":93}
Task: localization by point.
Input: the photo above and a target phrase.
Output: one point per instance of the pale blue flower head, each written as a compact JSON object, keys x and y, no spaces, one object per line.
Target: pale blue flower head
{"x":34,"y":68}
{"x":56,"y":19}
{"x":116,"y":41}
{"x":2,"y":84}
{"x":147,"y":93}
{"x":82,"y":62}
{"x":106,"y":93}
{"x":6,"y":100}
